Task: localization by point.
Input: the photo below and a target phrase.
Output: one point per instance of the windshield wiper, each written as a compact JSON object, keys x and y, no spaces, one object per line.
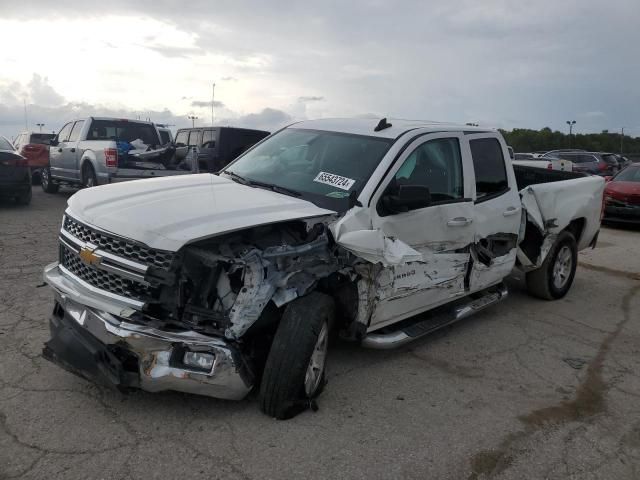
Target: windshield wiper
{"x":237,"y":177}
{"x":268,"y":186}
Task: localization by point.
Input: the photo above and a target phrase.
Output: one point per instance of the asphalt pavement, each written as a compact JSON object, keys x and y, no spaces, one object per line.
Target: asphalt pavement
{"x":527,"y":389}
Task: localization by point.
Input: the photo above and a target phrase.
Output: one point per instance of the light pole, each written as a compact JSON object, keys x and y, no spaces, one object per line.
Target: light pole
{"x":571,"y":123}
{"x":213,"y":101}
{"x":40,"y":125}
{"x":621,"y":140}
{"x":193,"y":119}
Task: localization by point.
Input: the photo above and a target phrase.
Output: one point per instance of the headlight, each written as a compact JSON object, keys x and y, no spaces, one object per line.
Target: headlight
{"x":198,"y":360}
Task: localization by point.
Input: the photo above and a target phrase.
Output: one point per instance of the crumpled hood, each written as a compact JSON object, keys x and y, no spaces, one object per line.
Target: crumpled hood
{"x":167,"y":213}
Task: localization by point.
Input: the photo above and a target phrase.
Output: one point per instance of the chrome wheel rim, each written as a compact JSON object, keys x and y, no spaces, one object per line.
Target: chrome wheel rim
{"x":44,"y":178}
{"x":89,"y":182}
{"x":315,"y":369}
{"x":562,"y":267}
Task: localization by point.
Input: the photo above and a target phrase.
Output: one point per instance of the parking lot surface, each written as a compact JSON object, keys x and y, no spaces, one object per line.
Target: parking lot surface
{"x":527,"y":389}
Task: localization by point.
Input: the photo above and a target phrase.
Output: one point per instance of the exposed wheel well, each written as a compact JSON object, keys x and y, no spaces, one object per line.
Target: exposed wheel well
{"x":576,"y":227}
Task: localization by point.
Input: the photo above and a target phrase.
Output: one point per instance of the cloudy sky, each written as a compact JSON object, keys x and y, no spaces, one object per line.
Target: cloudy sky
{"x":501,"y":63}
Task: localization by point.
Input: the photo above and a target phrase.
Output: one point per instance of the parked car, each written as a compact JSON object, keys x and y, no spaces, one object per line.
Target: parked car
{"x":34,"y":146}
{"x":587,"y":162}
{"x":622,"y":196}
{"x":216,"y":146}
{"x":15,"y":176}
{"x":205,"y":283}
{"x":100,"y":150}
{"x":613,"y":158}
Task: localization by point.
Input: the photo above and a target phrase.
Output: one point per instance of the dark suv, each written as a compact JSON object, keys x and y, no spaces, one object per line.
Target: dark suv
{"x":217,"y":146}
{"x":588,"y":162}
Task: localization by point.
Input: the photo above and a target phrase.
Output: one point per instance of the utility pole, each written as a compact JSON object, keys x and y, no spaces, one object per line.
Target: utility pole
{"x":213,"y":96}
{"x":193,"y":119}
{"x":621,"y":140}
{"x":571,"y":123}
{"x":40,"y":125}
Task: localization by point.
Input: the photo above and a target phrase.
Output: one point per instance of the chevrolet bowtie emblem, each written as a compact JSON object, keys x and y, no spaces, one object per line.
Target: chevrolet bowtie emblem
{"x":88,"y":257}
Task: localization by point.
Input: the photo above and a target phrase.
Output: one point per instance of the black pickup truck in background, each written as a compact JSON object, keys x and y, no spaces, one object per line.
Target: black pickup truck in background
{"x":217,"y":146}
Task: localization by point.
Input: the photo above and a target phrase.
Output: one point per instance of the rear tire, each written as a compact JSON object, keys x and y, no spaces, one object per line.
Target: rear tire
{"x":46,"y":182}
{"x":88,"y":176}
{"x":295,"y":369}
{"x":25,"y":198}
{"x":555,"y":276}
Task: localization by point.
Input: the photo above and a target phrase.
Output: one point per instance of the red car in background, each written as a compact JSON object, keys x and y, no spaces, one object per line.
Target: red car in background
{"x":622,"y":196}
{"x":34,"y":146}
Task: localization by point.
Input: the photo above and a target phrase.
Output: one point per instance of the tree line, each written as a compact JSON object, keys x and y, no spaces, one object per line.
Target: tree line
{"x":525,"y":140}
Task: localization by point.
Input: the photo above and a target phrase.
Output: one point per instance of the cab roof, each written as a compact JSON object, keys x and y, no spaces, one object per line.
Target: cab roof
{"x":366,"y":126}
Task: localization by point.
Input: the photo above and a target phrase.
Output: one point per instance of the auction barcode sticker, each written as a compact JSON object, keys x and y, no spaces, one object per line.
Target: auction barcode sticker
{"x":343,"y":183}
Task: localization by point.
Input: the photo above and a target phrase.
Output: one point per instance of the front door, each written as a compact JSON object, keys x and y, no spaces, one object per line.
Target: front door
{"x":70,"y":153}
{"x":441,"y":229}
{"x":56,"y":153}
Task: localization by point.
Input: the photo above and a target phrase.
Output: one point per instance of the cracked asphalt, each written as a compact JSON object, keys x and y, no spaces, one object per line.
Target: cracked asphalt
{"x":525,"y":390}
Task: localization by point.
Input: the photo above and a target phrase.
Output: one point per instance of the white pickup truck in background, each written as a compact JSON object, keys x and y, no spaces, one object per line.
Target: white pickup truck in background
{"x":218,"y":284}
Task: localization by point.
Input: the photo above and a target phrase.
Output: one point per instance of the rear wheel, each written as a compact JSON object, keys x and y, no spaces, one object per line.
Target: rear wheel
{"x":555,"y":276}
{"x":24,"y":198}
{"x":295,"y":369}
{"x":88,"y":176}
{"x":47,"y":183}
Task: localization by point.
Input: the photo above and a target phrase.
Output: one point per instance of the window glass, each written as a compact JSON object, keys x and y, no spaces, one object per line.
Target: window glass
{"x":193,"y":138}
{"x":324,"y":167}
{"x":41,"y":138}
{"x":75,"y":132}
{"x":5,"y":145}
{"x":208,"y":136}
{"x":63,"y":135}
{"x":488,"y":163}
{"x":123,"y":130}
{"x":164,"y":137}
{"x":437,"y":165}
{"x":629,"y":174}
{"x":181,"y":137}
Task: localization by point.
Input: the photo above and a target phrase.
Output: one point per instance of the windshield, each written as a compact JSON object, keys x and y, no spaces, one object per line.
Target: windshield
{"x":5,"y":144}
{"x":324,"y":167}
{"x":629,"y":174}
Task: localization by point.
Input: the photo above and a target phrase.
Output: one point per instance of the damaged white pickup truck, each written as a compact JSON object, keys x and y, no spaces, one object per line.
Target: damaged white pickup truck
{"x":382,"y":232}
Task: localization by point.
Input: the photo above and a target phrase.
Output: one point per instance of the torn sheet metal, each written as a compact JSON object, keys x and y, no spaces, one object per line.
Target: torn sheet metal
{"x":373,"y":246}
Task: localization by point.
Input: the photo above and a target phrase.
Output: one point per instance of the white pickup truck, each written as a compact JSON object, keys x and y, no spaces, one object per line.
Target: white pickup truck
{"x":215,"y":285}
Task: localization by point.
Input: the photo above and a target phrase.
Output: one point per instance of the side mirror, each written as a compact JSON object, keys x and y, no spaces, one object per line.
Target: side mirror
{"x":407,"y":197}
{"x":54,"y":141}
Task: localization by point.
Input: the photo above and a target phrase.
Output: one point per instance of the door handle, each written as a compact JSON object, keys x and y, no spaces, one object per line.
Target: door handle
{"x":510,"y":211}
{"x":459,"y":222}
{"x":72,"y":150}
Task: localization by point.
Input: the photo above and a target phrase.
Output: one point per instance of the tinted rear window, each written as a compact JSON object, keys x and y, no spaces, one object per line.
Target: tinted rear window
{"x":165,"y":137}
{"x":41,"y":138}
{"x":123,"y":130}
{"x":488,"y":164}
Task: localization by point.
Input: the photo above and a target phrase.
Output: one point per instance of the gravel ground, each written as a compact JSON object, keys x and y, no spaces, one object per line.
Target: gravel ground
{"x":525,"y":390}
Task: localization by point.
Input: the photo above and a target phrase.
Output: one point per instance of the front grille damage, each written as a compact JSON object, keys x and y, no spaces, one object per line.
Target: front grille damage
{"x":221,"y":286}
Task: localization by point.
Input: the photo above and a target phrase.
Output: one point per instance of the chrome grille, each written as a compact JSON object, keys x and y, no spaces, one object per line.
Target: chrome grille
{"x":101,"y":279}
{"x":118,"y":246}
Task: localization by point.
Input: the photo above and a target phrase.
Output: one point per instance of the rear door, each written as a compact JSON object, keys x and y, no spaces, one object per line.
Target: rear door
{"x":497,"y":211}
{"x":440,"y":232}
{"x":208,"y":150}
{"x":182,"y":137}
{"x":56,"y":153}
{"x":70,"y":154}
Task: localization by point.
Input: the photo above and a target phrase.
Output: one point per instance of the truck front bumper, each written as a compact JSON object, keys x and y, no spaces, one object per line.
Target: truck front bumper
{"x":110,"y":350}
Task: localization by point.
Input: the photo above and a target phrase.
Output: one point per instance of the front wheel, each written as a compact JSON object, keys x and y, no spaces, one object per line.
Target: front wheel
{"x":555,"y":276}
{"x":47,"y":183}
{"x":294,"y":372}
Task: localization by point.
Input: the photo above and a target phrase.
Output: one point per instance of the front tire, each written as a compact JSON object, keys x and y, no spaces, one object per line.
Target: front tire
{"x":294,"y":372}
{"x":555,"y":276}
{"x":24,"y":198}
{"x":88,"y":176}
{"x":47,"y":183}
